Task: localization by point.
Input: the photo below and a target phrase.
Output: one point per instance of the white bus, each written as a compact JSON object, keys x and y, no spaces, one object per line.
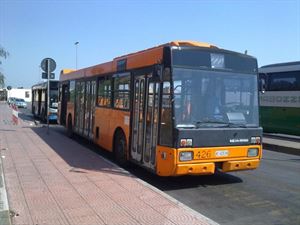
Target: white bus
{"x":280,"y":98}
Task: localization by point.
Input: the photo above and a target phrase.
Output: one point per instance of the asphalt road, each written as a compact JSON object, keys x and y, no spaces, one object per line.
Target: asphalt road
{"x":267,"y":195}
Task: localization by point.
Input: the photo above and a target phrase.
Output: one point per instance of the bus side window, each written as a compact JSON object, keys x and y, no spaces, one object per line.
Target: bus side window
{"x":166,"y":116}
{"x":122,"y":92}
{"x":71,"y":92}
{"x":104,"y":92}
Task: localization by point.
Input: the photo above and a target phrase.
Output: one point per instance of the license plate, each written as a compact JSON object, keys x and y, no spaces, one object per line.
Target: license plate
{"x":222,"y":153}
{"x":203,"y":154}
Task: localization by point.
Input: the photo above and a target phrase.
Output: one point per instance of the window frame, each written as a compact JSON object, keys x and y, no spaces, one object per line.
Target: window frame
{"x":101,"y":80}
{"x":116,"y":76}
{"x":283,"y":75}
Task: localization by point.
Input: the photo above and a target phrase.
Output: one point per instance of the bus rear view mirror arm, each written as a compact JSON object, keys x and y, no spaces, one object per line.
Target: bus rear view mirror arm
{"x":262,"y":86}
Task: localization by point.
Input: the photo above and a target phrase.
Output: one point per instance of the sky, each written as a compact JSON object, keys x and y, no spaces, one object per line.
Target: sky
{"x":31,"y":30}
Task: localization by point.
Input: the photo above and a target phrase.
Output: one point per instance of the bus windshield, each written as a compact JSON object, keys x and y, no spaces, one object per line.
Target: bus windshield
{"x":204,"y":98}
{"x":53,"y":99}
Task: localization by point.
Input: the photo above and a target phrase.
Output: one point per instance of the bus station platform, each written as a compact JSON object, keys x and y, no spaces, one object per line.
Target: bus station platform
{"x":282,"y":143}
{"x":53,"y":180}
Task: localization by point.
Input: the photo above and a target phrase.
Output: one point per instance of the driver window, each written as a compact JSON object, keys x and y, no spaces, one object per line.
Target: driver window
{"x":177,"y":94}
{"x":166,"y":116}
{"x":182,"y":101}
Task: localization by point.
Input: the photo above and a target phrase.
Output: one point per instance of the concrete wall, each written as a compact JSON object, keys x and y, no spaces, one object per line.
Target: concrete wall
{"x":20,"y":93}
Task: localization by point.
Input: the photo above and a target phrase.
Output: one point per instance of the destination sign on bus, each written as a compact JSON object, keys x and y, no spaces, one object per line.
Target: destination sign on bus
{"x":280,"y":99}
{"x":214,"y":60}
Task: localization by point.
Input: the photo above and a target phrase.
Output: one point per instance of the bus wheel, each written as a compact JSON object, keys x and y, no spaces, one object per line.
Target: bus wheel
{"x":120,"y":148}
{"x":70,"y":127}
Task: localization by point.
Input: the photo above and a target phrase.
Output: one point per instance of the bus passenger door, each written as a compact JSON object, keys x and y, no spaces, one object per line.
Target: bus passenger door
{"x":87,"y":108}
{"x":79,"y":107}
{"x":138,"y":118}
{"x":151,"y":130}
{"x":92,"y":109}
{"x":39,"y":102}
{"x":90,"y":98}
{"x":145,"y":120}
{"x":64,"y":101}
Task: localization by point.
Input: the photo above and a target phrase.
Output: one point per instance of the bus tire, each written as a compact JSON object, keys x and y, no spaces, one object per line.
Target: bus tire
{"x":70,"y":127}
{"x":120,"y":147}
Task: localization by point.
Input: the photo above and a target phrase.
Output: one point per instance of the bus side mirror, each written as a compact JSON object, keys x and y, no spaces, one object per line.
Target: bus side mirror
{"x":262,"y":86}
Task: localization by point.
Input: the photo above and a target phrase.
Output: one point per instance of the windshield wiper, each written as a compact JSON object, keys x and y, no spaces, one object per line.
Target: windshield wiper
{"x":237,"y":125}
{"x":207,"y":122}
{"x":222,"y":123}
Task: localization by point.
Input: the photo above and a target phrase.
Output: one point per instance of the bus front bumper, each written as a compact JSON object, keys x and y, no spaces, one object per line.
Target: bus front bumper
{"x":240,"y":165}
{"x":206,"y":161}
{"x":210,"y":168}
{"x":53,"y":117}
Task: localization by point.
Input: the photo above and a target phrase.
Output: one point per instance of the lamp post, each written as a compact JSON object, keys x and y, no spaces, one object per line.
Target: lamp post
{"x":76,"y":46}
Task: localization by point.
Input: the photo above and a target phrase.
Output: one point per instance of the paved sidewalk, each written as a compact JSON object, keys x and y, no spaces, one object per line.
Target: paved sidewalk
{"x":51,"y":179}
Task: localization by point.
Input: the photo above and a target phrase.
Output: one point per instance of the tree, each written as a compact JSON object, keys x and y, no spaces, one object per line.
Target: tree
{"x":3,"y":54}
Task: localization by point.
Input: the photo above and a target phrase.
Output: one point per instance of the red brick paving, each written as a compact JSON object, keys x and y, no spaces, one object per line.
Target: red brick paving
{"x":53,"y":180}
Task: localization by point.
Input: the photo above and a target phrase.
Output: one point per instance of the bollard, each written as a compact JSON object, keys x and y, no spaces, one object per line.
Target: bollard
{"x":15,"y":114}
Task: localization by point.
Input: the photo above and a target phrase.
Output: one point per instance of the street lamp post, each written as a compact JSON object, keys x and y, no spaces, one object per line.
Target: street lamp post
{"x":76,"y":46}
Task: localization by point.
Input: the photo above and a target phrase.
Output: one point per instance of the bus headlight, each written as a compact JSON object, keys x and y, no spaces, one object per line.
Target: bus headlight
{"x":185,"y":156}
{"x":252,"y":152}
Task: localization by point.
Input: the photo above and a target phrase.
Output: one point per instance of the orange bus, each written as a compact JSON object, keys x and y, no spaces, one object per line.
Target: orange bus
{"x":181,"y":108}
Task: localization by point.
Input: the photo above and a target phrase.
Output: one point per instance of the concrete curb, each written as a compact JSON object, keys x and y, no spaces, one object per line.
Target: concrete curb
{"x":284,"y":143}
{"x":4,"y":208}
{"x":187,"y":208}
{"x":282,"y":149}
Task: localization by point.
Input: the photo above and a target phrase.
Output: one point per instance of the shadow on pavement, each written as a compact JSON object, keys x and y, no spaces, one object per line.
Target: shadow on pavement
{"x":75,"y":152}
{"x":183,"y":182}
{"x":162,"y":183}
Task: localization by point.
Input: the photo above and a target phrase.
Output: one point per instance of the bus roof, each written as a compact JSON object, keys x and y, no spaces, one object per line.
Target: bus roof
{"x":138,"y":59}
{"x":280,"y":67}
{"x":43,"y":85}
